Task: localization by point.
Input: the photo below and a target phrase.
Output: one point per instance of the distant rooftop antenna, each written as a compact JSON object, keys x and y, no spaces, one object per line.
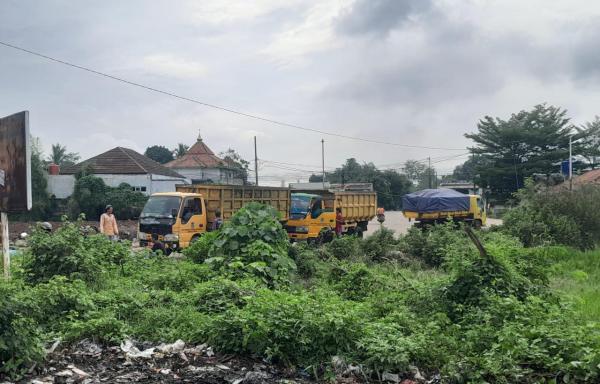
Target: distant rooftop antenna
{"x":199,"y":135}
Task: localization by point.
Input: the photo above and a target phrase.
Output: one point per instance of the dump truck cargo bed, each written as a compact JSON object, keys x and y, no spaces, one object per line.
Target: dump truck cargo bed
{"x":230,"y":198}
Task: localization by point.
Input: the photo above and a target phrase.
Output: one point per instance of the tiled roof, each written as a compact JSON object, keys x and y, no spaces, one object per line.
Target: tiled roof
{"x":121,"y":161}
{"x":198,"y":156}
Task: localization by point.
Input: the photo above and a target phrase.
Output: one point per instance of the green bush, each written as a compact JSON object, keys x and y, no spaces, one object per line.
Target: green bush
{"x":353,"y":281}
{"x":253,"y":243}
{"x":91,"y":195}
{"x":20,"y":337}
{"x":431,"y":244}
{"x":294,"y":328}
{"x":306,"y":259}
{"x":345,"y":247}
{"x":63,"y":252}
{"x":220,"y":294}
{"x":199,"y":250}
{"x":561,"y":217}
{"x":377,"y":246}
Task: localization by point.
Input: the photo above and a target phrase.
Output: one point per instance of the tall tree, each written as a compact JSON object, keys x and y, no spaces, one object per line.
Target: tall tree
{"x":589,"y":137}
{"x":464,"y":171}
{"x":414,"y":170}
{"x":159,"y":154}
{"x":508,"y":151}
{"x":389,"y":184}
{"x":181,"y":150}
{"x":235,"y":162}
{"x":60,"y":156}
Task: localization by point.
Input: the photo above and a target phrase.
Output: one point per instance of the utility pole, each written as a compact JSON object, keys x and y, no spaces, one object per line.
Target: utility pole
{"x":429,"y":171}
{"x":323,"y":160}
{"x":570,"y":162}
{"x":474,"y":185}
{"x":255,"y":162}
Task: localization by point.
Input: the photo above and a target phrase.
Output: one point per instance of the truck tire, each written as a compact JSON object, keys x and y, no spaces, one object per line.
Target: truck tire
{"x":194,"y":239}
{"x":359,"y":232}
{"x":477,"y":224}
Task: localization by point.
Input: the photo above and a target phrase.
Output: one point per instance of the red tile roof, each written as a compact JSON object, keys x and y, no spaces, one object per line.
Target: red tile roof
{"x":198,"y":156}
{"x":121,"y":161}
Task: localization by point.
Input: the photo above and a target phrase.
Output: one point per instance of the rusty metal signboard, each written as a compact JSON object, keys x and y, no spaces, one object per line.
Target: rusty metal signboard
{"x":15,"y":163}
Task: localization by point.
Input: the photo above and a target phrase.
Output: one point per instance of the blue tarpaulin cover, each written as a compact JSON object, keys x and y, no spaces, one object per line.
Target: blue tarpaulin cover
{"x":435,"y":200}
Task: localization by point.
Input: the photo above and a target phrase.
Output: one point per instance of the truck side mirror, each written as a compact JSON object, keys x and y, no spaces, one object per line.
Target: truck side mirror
{"x":174,"y":212}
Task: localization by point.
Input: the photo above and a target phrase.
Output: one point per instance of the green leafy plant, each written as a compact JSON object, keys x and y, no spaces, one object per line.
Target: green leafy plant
{"x":199,"y":250}
{"x":253,"y":242}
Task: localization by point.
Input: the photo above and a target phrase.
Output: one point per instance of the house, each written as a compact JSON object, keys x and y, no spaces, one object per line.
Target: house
{"x":200,"y":165}
{"x":116,"y":166}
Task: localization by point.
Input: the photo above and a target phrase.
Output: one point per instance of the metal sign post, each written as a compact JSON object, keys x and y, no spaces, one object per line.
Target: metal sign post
{"x":15,"y":175}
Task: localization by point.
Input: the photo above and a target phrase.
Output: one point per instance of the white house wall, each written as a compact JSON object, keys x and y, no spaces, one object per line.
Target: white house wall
{"x":60,"y":186}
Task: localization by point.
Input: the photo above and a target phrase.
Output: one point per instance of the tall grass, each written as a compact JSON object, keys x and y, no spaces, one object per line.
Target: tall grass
{"x":577,"y":275}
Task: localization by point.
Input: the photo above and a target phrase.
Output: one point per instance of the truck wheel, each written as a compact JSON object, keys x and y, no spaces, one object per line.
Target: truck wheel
{"x":477,"y":224}
{"x":359,"y":232}
{"x":194,"y":239}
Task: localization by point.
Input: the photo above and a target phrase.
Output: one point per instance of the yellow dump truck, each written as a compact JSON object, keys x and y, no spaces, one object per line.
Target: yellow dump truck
{"x":176,"y":219}
{"x":313,"y":213}
{"x":432,"y":206}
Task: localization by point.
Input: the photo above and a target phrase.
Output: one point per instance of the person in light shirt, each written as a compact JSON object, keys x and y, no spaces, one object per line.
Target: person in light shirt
{"x":108,"y":224}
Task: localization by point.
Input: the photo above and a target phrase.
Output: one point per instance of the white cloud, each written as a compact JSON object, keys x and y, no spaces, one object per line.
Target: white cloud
{"x":315,"y":33}
{"x":172,"y":66}
{"x":230,"y":11}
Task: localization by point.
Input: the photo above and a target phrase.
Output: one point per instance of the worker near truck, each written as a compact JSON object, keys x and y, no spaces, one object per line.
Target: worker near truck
{"x":216,"y":224}
{"x":339,"y":221}
{"x":108,"y":223}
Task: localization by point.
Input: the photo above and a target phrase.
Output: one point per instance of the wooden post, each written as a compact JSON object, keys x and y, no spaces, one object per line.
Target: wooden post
{"x":5,"y":249}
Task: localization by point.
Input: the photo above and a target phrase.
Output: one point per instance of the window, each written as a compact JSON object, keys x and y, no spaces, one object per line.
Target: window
{"x":138,"y":189}
{"x":143,"y":189}
{"x":191,"y":207}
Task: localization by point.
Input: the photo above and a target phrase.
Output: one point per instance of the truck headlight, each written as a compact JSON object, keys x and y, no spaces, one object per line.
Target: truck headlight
{"x":302,"y":229}
{"x":171,"y":237}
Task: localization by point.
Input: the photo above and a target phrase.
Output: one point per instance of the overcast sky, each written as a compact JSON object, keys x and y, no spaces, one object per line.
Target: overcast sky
{"x":416,"y":72}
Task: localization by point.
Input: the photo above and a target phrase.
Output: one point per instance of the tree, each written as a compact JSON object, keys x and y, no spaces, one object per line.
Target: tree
{"x":464,"y":171}
{"x":589,"y":137}
{"x":61,"y":157}
{"x":414,"y":169}
{"x":389,"y":184}
{"x":181,"y":150}
{"x":159,"y":154}
{"x":236,"y":163}
{"x":509,"y":151}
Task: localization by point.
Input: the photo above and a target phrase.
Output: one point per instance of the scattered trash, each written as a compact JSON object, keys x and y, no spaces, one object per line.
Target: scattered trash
{"x":86,"y":362}
{"x":390,"y":377}
{"x":175,"y":347}
{"x":133,"y":352}
{"x":416,"y":373}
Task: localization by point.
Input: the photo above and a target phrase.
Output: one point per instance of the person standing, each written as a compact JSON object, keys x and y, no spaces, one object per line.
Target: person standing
{"x":108,"y":223}
{"x":218,"y":221}
{"x":339,"y":221}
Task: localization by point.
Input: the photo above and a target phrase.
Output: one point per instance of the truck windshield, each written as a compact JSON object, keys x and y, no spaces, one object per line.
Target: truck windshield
{"x":161,"y":206}
{"x":300,"y":204}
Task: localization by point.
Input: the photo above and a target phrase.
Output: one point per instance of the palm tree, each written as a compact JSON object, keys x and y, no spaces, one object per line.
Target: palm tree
{"x":60,"y":155}
{"x":181,"y":150}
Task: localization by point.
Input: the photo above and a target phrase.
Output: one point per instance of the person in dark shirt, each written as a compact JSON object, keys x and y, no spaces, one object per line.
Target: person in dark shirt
{"x":218,"y":221}
{"x":339,"y":221}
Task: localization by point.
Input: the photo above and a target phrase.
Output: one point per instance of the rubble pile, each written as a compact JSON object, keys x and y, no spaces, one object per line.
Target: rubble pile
{"x":87,"y":363}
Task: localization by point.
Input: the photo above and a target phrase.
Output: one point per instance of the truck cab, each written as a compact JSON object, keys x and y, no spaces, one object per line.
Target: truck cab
{"x":310,"y":214}
{"x":174,"y":219}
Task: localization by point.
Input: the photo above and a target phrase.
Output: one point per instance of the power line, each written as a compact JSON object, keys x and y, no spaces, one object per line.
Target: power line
{"x":214,"y":106}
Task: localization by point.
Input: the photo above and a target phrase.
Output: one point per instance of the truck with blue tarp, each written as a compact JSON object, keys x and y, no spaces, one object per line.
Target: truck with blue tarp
{"x":431,"y":206}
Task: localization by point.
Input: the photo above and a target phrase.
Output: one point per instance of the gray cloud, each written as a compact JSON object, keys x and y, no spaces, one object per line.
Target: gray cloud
{"x":379,"y":17}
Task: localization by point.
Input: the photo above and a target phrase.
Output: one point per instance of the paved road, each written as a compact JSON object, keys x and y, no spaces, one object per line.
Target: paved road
{"x":395,"y":221}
